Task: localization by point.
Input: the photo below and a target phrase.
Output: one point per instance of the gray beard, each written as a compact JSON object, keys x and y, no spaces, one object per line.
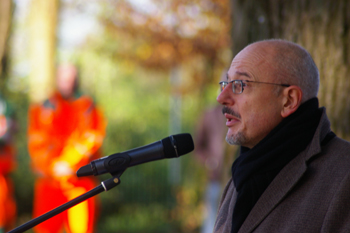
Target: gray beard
{"x":236,"y":139}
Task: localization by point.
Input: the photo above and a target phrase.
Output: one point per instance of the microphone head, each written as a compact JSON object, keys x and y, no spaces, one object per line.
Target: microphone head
{"x":177,"y":145}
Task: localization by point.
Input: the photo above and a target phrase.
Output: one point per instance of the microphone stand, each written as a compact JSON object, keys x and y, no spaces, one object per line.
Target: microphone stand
{"x":104,"y":186}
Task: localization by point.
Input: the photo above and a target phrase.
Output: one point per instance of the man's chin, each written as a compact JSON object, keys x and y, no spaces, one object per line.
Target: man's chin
{"x":235,"y":139}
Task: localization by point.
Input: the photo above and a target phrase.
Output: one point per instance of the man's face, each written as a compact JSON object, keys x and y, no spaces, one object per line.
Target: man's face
{"x":66,"y":76}
{"x":252,"y":114}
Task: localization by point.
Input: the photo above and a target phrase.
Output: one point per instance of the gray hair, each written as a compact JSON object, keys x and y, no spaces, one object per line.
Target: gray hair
{"x":295,"y":66}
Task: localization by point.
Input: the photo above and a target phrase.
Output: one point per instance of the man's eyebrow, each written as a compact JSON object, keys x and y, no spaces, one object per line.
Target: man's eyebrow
{"x":243,"y":74}
{"x":240,"y":74}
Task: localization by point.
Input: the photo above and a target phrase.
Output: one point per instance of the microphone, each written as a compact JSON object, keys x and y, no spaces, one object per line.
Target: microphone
{"x":169,"y":147}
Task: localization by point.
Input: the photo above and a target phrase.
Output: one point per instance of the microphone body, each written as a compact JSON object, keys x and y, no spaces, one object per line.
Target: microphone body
{"x":170,"y":147}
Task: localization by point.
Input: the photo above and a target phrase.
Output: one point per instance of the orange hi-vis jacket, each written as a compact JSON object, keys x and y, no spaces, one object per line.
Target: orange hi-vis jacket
{"x":64,"y":131}
{"x":63,"y":136}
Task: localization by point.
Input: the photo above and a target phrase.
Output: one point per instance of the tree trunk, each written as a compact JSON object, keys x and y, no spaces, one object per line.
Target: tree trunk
{"x":43,"y":23}
{"x":5,"y":22}
{"x":320,"y":26}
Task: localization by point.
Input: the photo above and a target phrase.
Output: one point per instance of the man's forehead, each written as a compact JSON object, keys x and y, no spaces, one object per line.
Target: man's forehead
{"x":253,"y":61}
{"x":238,"y":73}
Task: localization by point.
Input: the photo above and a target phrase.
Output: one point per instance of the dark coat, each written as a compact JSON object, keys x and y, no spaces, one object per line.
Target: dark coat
{"x":310,"y":194}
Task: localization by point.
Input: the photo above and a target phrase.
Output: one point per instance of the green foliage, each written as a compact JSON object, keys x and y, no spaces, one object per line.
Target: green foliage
{"x":136,"y":218}
{"x":22,"y":177}
{"x":137,"y":104}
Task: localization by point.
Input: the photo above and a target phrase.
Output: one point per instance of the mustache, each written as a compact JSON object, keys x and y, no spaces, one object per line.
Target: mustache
{"x":228,"y":110}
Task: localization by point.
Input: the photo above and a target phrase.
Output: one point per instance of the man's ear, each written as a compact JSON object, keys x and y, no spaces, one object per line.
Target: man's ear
{"x":291,"y":100}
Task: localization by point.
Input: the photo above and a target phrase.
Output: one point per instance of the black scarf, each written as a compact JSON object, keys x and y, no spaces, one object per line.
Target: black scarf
{"x":255,"y":169}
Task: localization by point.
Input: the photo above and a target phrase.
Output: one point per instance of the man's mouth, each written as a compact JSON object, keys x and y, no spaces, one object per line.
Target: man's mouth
{"x":231,"y":120}
{"x":229,"y":113}
{"x":231,"y":116}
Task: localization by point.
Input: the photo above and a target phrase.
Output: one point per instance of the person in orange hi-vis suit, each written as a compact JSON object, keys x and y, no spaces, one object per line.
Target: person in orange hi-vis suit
{"x":65,"y":132}
{"x":7,"y":165}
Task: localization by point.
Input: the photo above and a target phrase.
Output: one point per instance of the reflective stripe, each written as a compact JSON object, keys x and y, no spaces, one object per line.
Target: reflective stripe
{"x":78,"y":216}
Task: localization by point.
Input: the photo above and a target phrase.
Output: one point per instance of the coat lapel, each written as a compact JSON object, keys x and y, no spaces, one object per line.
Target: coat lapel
{"x":274,"y":194}
{"x":285,"y":180}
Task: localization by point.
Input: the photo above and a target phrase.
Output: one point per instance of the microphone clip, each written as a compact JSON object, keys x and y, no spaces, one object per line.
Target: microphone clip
{"x":114,"y":164}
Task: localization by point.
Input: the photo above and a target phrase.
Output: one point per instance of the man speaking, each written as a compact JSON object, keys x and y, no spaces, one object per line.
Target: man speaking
{"x":292,"y":174}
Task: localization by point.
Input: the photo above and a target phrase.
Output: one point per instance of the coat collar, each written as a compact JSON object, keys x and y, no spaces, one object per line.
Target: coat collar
{"x":286,"y":179}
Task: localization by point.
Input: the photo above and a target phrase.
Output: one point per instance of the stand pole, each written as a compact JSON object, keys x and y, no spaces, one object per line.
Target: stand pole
{"x":104,"y":186}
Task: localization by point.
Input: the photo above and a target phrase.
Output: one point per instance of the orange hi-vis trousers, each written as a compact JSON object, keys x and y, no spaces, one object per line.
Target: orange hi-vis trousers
{"x":7,"y":201}
{"x":50,"y":194}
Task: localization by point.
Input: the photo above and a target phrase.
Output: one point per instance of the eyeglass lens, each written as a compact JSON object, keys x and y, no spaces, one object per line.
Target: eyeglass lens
{"x":236,"y":86}
{"x":223,"y":85}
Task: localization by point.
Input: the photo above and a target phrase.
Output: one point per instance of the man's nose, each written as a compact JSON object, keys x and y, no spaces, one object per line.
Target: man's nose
{"x":226,"y":96}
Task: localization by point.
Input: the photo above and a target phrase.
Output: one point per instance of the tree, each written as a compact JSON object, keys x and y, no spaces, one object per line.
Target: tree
{"x":42,"y":24}
{"x":169,"y":35}
{"x":5,"y":22}
{"x":322,"y":27}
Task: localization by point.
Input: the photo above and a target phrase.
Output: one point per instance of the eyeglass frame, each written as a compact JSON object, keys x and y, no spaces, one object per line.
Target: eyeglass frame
{"x":223,"y":84}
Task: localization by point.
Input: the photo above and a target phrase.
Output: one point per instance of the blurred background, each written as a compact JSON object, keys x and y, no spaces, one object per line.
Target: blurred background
{"x":153,"y":67}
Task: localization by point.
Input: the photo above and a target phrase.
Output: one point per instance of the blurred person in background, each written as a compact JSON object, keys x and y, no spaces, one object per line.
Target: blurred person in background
{"x":65,"y":132}
{"x":7,"y":165}
{"x":210,"y":150}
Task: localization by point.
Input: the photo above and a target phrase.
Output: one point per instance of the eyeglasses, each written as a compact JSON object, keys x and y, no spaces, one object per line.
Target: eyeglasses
{"x":238,"y":85}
